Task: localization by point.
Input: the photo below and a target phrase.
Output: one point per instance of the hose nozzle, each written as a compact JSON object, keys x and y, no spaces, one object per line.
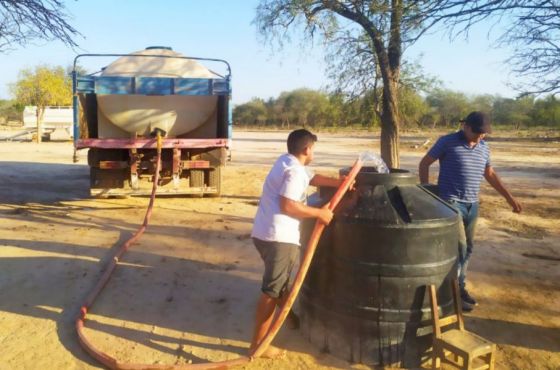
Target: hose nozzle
{"x":158,"y":131}
{"x":159,"y":134}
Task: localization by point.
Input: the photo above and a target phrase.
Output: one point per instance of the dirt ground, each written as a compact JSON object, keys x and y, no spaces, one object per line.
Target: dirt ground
{"x":186,"y":292}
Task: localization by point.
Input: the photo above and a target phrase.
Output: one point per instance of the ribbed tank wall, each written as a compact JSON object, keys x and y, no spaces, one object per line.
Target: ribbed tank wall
{"x":365,"y":298}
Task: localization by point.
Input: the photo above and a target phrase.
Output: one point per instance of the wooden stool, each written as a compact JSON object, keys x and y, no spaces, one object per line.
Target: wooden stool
{"x":458,"y":342}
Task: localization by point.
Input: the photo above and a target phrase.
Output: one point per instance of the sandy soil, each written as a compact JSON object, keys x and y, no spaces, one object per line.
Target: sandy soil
{"x":186,"y":292}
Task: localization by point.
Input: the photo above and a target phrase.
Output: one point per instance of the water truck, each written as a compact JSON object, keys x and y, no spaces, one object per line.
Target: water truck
{"x":118,"y":111}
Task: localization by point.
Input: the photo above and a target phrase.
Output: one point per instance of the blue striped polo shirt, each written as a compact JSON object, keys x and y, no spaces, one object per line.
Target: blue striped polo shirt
{"x":461,"y":168}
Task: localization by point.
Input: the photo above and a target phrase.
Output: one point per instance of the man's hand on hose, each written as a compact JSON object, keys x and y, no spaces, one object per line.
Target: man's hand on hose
{"x":325,"y":214}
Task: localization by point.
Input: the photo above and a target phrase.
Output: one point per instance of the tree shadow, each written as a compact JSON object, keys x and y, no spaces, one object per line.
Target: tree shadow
{"x":186,"y":295}
{"x":30,"y":182}
{"x":57,"y":212}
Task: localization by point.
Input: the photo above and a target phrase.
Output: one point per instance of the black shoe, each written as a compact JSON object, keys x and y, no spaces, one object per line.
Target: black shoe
{"x":466,"y":297}
{"x":467,"y":307}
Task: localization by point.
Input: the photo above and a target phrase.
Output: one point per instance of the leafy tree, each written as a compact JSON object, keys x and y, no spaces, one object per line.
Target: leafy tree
{"x":10,"y":110}
{"x":441,"y":107}
{"x":483,"y":103}
{"x":305,"y":107}
{"x":25,"y":20}
{"x":354,"y":112}
{"x":41,"y":87}
{"x":254,"y":112}
{"x":367,"y":109}
{"x":413,"y":107}
{"x":547,"y":111}
{"x":515,"y":112}
{"x":280,"y":112}
{"x":366,"y":39}
{"x":373,"y":38}
{"x":336,"y":109}
{"x":299,"y":106}
{"x":447,"y":107}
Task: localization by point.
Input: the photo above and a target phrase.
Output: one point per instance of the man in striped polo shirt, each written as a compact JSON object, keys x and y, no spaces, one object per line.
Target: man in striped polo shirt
{"x":464,"y":159}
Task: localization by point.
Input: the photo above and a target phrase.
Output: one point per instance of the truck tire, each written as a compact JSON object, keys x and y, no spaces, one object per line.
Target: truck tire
{"x":196,"y":178}
{"x":215,"y":180}
{"x":93,"y":157}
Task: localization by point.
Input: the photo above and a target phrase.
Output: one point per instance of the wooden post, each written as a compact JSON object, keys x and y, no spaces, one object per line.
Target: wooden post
{"x":38,"y":117}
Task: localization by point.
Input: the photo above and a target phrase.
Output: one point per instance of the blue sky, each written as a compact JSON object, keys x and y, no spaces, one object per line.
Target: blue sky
{"x":222,"y":29}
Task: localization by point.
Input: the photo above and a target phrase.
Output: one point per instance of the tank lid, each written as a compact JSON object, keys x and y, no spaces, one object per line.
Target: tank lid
{"x":159,"y":47}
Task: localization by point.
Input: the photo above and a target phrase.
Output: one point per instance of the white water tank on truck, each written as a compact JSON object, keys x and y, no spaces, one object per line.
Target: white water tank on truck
{"x":126,"y":116}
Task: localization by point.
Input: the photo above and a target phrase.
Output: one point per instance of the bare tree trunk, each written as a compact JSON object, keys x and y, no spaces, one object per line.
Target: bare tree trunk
{"x":389,"y":62}
{"x":390,"y":121}
{"x":390,"y":126}
{"x":39,"y":125}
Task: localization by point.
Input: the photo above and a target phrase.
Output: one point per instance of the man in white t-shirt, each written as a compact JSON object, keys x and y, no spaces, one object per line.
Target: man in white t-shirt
{"x":276,"y":227}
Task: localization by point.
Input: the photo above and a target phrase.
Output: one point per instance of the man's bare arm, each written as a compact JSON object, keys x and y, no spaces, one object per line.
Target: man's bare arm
{"x":493,"y":179}
{"x":424,"y":169}
{"x":299,"y":210}
{"x":320,"y":180}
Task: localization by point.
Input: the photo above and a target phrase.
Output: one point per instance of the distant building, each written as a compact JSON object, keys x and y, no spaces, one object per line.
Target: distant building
{"x":53,"y":117}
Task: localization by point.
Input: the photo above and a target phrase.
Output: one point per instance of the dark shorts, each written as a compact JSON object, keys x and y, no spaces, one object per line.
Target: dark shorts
{"x":279,"y":260}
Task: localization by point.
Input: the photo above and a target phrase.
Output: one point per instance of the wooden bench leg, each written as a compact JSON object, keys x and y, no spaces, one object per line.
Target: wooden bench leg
{"x":453,"y":358}
{"x":467,"y":363}
{"x":491,"y":359}
{"x":435,"y":361}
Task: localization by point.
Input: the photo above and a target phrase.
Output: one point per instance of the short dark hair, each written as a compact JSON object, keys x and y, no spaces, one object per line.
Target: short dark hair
{"x":300,"y":139}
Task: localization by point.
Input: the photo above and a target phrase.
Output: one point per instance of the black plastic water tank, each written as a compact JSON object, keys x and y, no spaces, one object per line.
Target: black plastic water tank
{"x":365,"y":298}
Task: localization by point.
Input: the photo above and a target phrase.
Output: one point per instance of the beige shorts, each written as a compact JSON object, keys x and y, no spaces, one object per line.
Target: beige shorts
{"x":279,"y":260}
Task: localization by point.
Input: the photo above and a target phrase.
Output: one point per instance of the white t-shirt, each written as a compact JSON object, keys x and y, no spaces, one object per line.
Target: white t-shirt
{"x":287,"y":178}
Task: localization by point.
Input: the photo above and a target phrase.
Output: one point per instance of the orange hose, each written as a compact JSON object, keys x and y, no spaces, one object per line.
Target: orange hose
{"x":307,"y":257}
{"x":112,"y":363}
{"x":101,"y":356}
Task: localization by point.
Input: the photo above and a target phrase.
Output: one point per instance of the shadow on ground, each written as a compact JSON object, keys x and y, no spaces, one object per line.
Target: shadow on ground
{"x":29,"y":182}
